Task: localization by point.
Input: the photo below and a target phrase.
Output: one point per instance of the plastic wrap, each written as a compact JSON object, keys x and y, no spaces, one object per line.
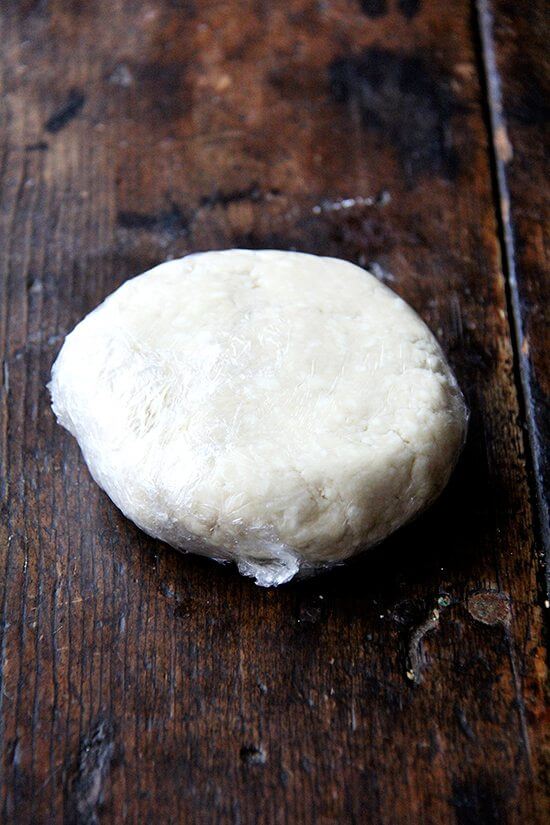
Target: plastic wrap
{"x":276,"y":409}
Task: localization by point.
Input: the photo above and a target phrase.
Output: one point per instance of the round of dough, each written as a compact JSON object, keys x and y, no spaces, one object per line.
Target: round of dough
{"x":277,"y":409}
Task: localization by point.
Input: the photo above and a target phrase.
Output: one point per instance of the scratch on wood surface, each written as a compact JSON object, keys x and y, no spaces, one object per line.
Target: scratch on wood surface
{"x":503,"y":147}
{"x":415,"y":652}
{"x":493,"y":607}
{"x":353,"y":717}
{"x":416,"y":655}
{"x":86,"y":791}
{"x":456,"y":316}
{"x":463,"y":723}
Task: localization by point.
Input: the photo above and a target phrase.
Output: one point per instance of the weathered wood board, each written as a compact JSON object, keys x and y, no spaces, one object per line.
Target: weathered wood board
{"x":142,"y":685}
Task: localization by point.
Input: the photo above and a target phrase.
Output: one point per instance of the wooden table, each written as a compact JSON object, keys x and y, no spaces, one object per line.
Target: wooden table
{"x":140,"y":685}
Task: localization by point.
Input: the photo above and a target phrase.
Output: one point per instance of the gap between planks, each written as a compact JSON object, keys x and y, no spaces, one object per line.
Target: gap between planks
{"x":499,"y":147}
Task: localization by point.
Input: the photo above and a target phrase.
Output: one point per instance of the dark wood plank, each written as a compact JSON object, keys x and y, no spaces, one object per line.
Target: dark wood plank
{"x":140,"y":685}
{"x":515,"y":37}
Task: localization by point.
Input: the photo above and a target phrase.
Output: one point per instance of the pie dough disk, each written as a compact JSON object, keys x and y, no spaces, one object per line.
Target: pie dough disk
{"x":277,"y":409}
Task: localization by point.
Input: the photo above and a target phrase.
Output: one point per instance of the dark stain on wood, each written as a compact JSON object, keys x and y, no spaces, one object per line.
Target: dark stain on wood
{"x":358,"y":231}
{"x":482,"y":800}
{"x":409,"y":8}
{"x":406,"y":102}
{"x":374,"y":8}
{"x":39,"y":146}
{"x":529,"y":103}
{"x":409,"y":612}
{"x":171,"y":220}
{"x":163,"y":86}
{"x":219,"y":198}
{"x":66,"y":112}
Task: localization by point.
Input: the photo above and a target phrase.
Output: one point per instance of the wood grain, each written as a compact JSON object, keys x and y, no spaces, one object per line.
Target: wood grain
{"x":518,"y":70}
{"x":141,"y":685}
